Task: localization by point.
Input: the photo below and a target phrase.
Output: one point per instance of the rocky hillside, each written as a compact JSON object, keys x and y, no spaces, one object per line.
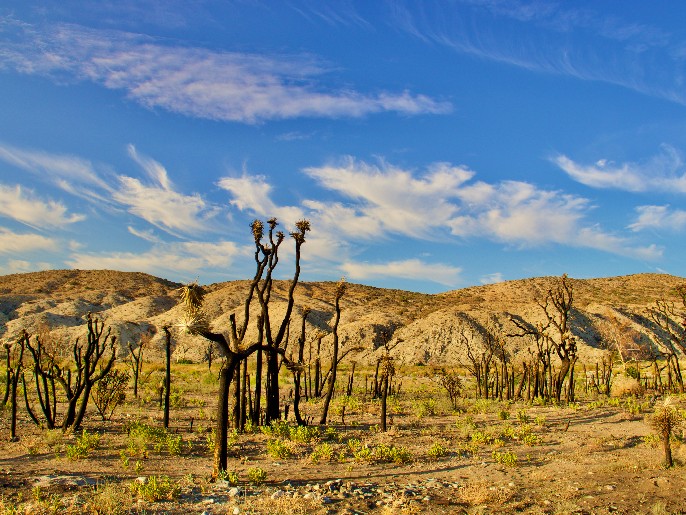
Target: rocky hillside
{"x":422,"y":328}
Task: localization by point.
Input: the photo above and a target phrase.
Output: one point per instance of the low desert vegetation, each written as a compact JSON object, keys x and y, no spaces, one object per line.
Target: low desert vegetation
{"x":272,"y":413}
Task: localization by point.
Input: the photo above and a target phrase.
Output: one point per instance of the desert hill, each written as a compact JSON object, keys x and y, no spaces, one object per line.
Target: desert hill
{"x":423,"y":328}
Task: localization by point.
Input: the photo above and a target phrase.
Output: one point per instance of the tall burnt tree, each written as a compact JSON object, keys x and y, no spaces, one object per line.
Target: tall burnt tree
{"x":167,"y":375}
{"x":669,"y":318}
{"x":233,"y":347}
{"x":90,"y":362}
{"x":340,"y":290}
{"x":135,"y":358}
{"x":553,"y":336}
{"x":558,"y":310}
{"x":298,"y":369}
{"x":15,"y":364}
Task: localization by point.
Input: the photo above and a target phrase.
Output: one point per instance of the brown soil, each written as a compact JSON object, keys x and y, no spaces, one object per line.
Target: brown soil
{"x":589,"y":458}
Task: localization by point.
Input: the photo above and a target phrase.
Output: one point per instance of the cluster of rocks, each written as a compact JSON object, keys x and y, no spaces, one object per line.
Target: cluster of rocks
{"x":345,"y":497}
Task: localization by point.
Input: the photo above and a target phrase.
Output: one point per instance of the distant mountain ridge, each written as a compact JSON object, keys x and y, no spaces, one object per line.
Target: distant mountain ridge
{"x":428,"y":327}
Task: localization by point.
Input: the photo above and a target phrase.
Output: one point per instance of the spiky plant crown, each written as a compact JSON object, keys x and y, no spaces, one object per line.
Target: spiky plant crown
{"x":666,"y":418}
{"x":387,"y":366}
{"x":257,"y":229}
{"x":193,"y":319}
{"x":303,"y":226}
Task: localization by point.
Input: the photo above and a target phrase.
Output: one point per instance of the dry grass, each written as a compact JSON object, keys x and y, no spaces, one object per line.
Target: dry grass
{"x":624,"y":386}
{"x":479,"y":493}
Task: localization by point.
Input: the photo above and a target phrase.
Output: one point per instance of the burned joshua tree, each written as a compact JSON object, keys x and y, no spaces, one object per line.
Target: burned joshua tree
{"x":231,"y":344}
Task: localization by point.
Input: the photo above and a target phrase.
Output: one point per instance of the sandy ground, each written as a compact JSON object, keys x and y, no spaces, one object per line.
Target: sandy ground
{"x":496,"y":457}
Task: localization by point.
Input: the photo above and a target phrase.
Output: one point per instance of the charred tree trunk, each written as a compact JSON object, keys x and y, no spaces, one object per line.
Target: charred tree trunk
{"x":258,"y":389}
{"x":167,"y":375}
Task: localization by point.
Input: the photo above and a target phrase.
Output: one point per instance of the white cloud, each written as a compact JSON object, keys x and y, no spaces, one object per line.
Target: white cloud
{"x":36,"y":213}
{"x":252,"y":193}
{"x":72,"y":174}
{"x":542,"y":37}
{"x":20,"y":243}
{"x":197,"y":82}
{"x":663,"y":172}
{"x":659,"y":217}
{"x":163,"y":259}
{"x":21,"y":266}
{"x":393,"y":199}
{"x":413,"y":269}
{"x":518,"y":212}
{"x":496,"y":277}
{"x":144,"y":235}
{"x":158,"y":203}
{"x":384,"y":201}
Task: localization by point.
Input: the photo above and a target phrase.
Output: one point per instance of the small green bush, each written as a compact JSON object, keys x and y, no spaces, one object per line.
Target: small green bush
{"x":156,"y":488}
{"x":257,"y":475}
{"x":279,"y":449}
{"x":507,"y":458}
{"x":85,"y":443}
{"x":323,"y":452}
{"x":230,"y":476}
{"x":436,"y":451}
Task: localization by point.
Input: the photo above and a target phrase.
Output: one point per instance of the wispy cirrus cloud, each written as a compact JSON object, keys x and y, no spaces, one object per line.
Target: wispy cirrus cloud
{"x":663,"y":172}
{"x":26,"y":208}
{"x":659,"y":218}
{"x":253,"y":193}
{"x":554,"y":38}
{"x":72,"y":174}
{"x":158,"y":203}
{"x":155,"y":200}
{"x":226,"y":86}
{"x":144,"y":235}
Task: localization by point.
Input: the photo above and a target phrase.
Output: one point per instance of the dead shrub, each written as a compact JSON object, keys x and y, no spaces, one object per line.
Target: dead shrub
{"x":625,"y":386}
{"x":476,"y":493}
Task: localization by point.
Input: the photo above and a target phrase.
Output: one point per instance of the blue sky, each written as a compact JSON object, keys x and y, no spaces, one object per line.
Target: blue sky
{"x":432,"y":145}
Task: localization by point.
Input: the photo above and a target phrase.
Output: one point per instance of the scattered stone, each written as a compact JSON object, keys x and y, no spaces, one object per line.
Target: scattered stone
{"x":233,"y":492}
{"x":66,"y":481}
{"x":278,"y":494}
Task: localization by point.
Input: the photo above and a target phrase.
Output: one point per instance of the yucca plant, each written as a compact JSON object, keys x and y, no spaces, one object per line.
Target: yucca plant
{"x":665,"y":421}
{"x":192,"y":298}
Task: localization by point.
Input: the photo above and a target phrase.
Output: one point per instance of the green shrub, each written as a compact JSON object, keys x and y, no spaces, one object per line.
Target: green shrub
{"x":156,"y":488}
{"x":523,"y":417}
{"x":230,"y":476}
{"x":424,"y":407}
{"x":85,"y":443}
{"x":257,"y":475}
{"x":507,"y":458}
{"x":322,"y":452}
{"x":481,"y":437}
{"x":278,"y":449}
{"x":174,"y":445}
{"x":652,"y":440}
{"x":436,"y":451}
{"x":304,"y":434}
{"x":391,"y":453}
